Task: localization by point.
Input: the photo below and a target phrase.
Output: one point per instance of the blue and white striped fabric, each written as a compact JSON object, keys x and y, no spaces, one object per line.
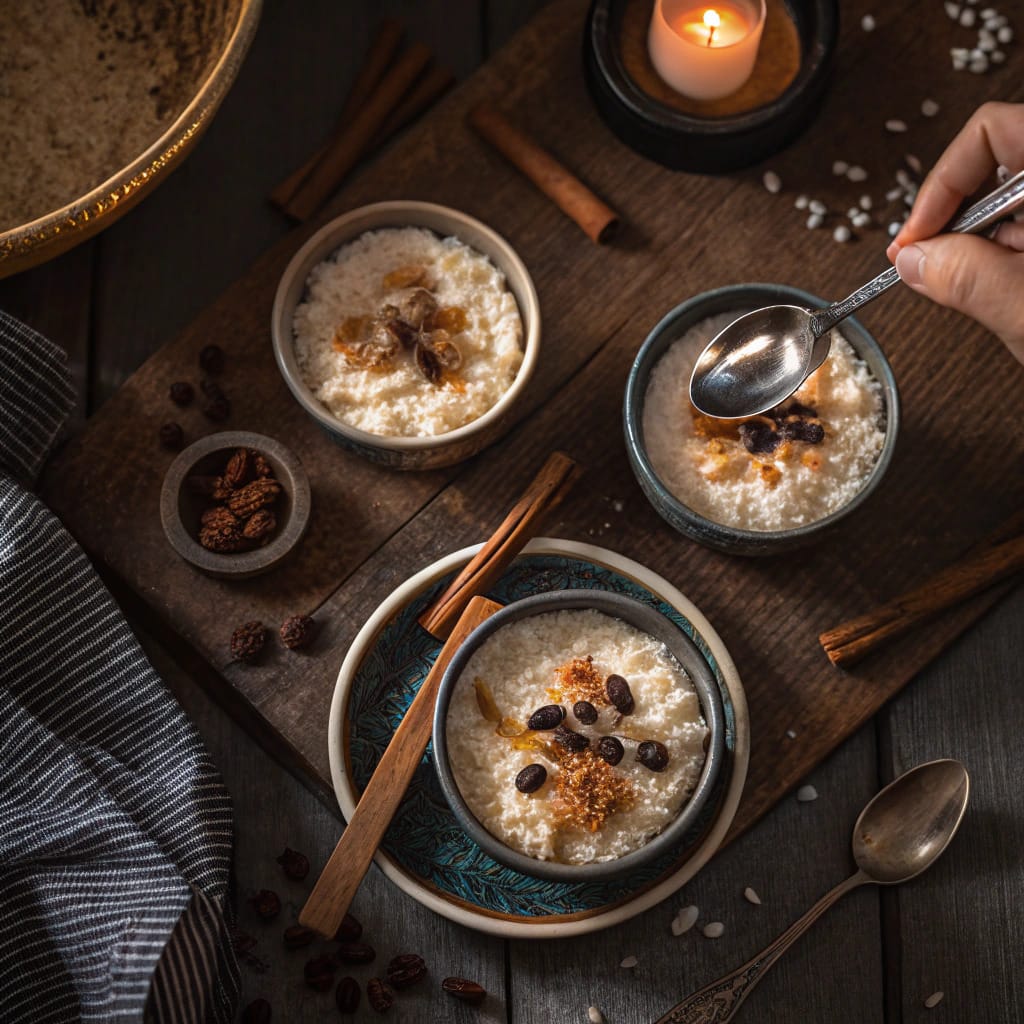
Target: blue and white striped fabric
{"x":115,"y":828}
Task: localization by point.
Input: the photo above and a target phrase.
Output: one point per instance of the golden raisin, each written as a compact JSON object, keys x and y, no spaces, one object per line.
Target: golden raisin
{"x":485,"y":701}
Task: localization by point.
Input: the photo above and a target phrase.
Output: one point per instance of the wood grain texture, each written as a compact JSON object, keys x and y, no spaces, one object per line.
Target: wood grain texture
{"x":769,"y":612}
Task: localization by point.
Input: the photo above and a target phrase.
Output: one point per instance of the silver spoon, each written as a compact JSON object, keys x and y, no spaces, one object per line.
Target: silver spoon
{"x":761,"y":358}
{"x":898,"y":835}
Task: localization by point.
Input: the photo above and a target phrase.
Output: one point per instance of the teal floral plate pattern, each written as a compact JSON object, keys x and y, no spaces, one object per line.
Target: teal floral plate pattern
{"x":425,"y":851}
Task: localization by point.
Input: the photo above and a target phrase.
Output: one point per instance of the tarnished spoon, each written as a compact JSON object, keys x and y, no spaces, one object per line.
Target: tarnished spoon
{"x":898,"y":835}
{"x":761,"y":358}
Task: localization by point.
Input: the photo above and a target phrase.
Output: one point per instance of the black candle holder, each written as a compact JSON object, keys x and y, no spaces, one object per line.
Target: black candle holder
{"x":692,"y":135}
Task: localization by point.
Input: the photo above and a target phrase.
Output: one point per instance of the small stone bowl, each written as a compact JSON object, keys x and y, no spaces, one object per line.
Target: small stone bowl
{"x":644,"y":618}
{"x":414,"y":453}
{"x":180,"y":507}
{"x":671,"y":507}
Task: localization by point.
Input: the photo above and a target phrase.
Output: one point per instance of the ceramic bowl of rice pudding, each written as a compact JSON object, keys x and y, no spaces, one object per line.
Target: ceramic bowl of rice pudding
{"x":407,"y":330}
{"x":768,"y":483}
{"x":577,"y":735}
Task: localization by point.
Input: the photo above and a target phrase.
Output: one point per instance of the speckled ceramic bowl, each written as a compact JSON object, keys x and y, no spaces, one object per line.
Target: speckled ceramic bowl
{"x":181,"y":507}
{"x":644,"y":618}
{"x":407,"y":452}
{"x":673,"y":508}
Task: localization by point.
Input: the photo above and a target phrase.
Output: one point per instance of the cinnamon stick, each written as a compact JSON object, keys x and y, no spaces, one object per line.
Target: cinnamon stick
{"x":434,"y":84}
{"x":848,"y":643}
{"x":381,"y":53}
{"x":547,"y":490}
{"x":598,"y":220}
{"x":346,"y":149}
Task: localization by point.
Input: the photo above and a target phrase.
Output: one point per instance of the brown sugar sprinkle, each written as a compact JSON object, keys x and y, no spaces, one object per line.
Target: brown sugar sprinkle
{"x":579,"y":680}
{"x":589,"y":790}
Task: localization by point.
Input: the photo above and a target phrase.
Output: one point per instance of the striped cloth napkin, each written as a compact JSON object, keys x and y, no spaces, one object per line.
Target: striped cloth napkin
{"x":115,"y":827}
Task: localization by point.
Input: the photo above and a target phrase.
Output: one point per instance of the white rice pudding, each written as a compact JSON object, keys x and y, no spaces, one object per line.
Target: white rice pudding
{"x":767,"y":481}
{"x":520,"y":665}
{"x":396,"y":399}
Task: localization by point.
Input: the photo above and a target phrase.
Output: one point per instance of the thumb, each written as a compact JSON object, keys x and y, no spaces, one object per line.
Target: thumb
{"x":972,"y":275}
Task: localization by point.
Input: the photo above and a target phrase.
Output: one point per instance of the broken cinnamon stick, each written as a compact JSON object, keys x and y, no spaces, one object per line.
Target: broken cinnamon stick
{"x":381,"y":54}
{"x":346,"y":149}
{"x":547,"y":490}
{"x":848,"y":643}
{"x":598,"y":220}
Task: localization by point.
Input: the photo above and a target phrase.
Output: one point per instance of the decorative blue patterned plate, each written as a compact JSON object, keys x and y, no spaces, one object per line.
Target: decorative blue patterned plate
{"x":425,"y":852}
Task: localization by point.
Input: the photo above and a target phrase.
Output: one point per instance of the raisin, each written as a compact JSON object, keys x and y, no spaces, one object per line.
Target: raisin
{"x":319,"y":973}
{"x":652,"y":754}
{"x":296,"y":936}
{"x":585,"y":712}
{"x":406,"y":970}
{"x":531,"y":778}
{"x":801,"y":430}
{"x":610,"y":750}
{"x":247,"y":642}
{"x":379,"y":995}
{"x":465,"y":990}
{"x":295,"y":864}
{"x":211,"y":359}
{"x":759,"y":438}
{"x":297,"y":631}
{"x":182,"y":393}
{"x":354,"y":953}
{"x":347,"y":995}
{"x":267,"y":904}
{"x":172,"y":437}
{"x":548,"y":717}
{"x":349,"y":930}
{"x":619,"y":694}
{"x":572,"y":741}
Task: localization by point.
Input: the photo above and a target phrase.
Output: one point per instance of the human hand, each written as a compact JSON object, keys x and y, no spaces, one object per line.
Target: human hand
{"x":979,"y":277}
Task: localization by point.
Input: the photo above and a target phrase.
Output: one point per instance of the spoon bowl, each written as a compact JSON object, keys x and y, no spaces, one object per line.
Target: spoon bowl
{"x":908,"y":824}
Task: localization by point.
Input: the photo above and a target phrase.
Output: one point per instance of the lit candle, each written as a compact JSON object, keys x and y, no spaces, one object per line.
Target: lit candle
{"x":706,"y":51}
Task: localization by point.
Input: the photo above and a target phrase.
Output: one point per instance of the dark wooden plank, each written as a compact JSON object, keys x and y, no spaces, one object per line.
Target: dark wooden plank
{"x":502,"y":18}
{"x":56,"y":300}
{"x":672,"y":248}
{"x":790,"y":859}
{"x":958,"y":924}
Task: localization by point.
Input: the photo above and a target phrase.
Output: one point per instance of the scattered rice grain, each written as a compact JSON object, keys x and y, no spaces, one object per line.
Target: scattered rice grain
{"x":815,"y":221}
{"x":1005,"y":34}
{"x":594,"y":1015}
{"x":894,"y":228}
{"x":629,"y":962}
{"x":801,"y":202}
{"x":840,"y":167}
{"x":934,"y":999}
{"x":714,"y":930}
{"x":868,"y":23}
{"x":791,"y":734}
{"x":865,"y":202}
{"x":913,"y":163}
{"x":929,"y":108}
{"x":772,"y":182}
{"x":953,"y":10}
{"x":751,"y":897}
{"x":805,"y":794}
{"x":856,"y":173}
{"x":997,"y":56}
{"x":895,"y":125}
{"x":967,"y":17}
{"x":685,"y":920}
{"x":841,"y":233}
{"x":818,"y":207}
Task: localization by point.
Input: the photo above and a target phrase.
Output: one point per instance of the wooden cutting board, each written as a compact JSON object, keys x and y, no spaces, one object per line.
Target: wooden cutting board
{"x":956,"y":474}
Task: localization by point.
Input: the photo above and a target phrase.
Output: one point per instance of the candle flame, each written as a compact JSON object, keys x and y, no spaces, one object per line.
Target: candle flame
{"x":712,"y":20}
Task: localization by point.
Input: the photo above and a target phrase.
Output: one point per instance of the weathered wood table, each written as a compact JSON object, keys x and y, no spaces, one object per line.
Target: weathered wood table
{"x":119,"y":298}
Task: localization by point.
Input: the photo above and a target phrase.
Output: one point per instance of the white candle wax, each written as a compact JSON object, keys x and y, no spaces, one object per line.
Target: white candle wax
{"x":708,"y":50}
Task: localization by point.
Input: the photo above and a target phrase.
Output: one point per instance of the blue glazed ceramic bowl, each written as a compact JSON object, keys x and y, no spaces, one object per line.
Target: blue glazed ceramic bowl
{"x":644,"y":618}
{"x":407,"y":452}
{"x":671,"y":507}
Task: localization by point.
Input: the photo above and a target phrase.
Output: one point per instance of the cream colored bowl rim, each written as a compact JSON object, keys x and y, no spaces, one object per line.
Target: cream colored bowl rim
{"x":336,"y":233}
{"x":344,"y":786}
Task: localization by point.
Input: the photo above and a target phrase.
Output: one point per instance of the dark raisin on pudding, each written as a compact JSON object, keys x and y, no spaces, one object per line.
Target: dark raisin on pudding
{"x":610,"y":750}
{"x":572,"y":741}
{"x":548,"y":717}
{"x":585,"y":712}
{"x":619,"y":694}
{"x":653,"y":755}
{"x":531,"y":778}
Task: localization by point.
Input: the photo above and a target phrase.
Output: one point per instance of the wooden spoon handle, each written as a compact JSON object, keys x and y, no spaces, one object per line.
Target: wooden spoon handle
{"x":340,"y":878}
{"x":853,"y":640}
{"x":547,"y":490}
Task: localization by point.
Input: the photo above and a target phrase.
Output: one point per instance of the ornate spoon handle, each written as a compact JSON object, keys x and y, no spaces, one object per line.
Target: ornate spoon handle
{"x":982,"y":215}
{"x":718,"y":1002}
